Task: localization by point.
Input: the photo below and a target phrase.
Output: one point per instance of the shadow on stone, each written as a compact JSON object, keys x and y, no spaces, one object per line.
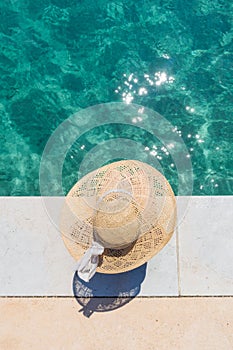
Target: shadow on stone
{"x":106,"y":292}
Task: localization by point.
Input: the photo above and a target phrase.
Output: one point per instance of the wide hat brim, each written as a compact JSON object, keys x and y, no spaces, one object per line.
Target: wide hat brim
{"x":77,"y":223}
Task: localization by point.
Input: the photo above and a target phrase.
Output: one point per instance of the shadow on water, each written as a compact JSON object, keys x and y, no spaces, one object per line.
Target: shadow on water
{"x":106,"y":292}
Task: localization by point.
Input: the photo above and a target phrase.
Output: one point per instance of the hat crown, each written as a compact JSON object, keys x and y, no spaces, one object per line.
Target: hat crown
{"x":117,"y":220}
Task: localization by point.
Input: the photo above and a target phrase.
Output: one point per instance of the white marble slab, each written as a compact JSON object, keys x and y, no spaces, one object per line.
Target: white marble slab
{"x":206,"y":247}
{"x":33,"y":258}
{"x":161,"y":274}
{"x":35,"y":262}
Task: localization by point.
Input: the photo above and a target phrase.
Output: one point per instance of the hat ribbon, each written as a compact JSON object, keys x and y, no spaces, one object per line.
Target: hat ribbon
{"x":86,"y":266}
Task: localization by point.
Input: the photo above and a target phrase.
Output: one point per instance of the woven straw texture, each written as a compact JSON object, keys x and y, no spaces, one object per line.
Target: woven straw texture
{"x":135,"y":230}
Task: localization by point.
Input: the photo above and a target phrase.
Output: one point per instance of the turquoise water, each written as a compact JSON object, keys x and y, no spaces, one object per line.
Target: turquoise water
{"x":60,"y":56}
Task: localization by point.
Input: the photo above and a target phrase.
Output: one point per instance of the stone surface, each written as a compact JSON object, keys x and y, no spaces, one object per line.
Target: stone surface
{"x":33,"y":255}
{"x":36,"y":262}
{"x":144,"y":323}
{"x":205,"y":247}
{"x":161,"y":273}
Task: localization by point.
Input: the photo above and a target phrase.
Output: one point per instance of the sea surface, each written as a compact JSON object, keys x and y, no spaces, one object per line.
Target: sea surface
{"x":58,"y":57}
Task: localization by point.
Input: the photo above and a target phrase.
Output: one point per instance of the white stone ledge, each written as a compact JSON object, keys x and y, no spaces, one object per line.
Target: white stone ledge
{"x":35,"y":262}
{"x":206,"y":247}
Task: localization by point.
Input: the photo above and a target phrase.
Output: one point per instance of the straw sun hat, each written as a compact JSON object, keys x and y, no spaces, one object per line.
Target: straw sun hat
{"x":118,"y":217}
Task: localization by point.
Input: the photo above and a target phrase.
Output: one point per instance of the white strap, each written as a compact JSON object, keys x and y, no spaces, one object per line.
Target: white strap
{"x":86,"y":266}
